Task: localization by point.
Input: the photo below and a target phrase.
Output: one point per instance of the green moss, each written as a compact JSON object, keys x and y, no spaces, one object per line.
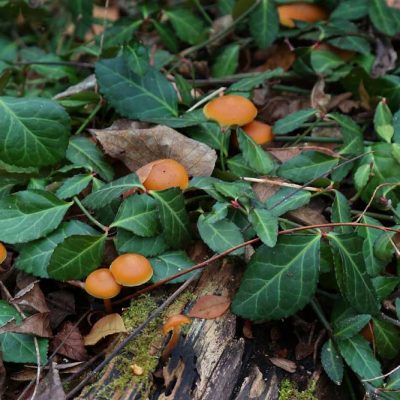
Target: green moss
{"x":289,"y":391}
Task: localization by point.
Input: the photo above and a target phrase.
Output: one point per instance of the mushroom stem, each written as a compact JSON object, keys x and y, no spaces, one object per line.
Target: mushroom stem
{"x":171,"y":344}
{"x":108,"y":306}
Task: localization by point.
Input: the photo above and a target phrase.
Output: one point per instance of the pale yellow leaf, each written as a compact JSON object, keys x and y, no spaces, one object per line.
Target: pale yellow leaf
{"x":108,"y":325}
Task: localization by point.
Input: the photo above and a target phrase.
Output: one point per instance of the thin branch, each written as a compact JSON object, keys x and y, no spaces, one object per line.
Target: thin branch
{"x":392,"y":321}
{"x":208,"y":97}
{"x":284,"y":184}
{"x":318,"y":310}
{"x":89,"y":216}
{"x":76,"y":64}
{"x":382,"y":376}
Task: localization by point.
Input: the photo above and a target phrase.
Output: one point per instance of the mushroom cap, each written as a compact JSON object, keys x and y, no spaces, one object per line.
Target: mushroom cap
{"x":176,"y":321}
{"x":288,"y":13}
{"x":101,"y":284}
{"x":230,"y":109}
{"x":164,"y":174}
{"x":131,"y":269}
{"x":3,"y":252}
{"x":260,"y":132}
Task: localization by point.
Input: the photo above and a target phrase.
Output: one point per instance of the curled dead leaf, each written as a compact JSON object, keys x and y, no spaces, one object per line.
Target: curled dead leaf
{"x":284,"y":364}
{"x":37,"y":325}
{"x":210,"y":306}
{"x":30,"y":297}
{"x":51,"y":387}
{"x":69,"y":342}
{"x":88,"y":84}
{"x":136,"y":146}
{"x":108,"y":325}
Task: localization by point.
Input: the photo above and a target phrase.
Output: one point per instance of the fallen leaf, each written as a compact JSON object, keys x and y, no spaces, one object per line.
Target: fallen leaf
{"x":51,"y":387}
{"x":319,"y":99}
{"x":108,"y":325}
{"x":136,"y":147}
{"x":248,"y":329}
{"x":278,"y":55}
{"x":264,"y":191}
{"x":303,"y":350}
{"x":30,"y":297}
{"x":284,"y":364}
{"x":210,"y":306}
{"x":88,"y":84}
{"x":71,"y":342}
{"x":61,"y":304}
{"x":37,"y":325}
{"x":310,"y":214}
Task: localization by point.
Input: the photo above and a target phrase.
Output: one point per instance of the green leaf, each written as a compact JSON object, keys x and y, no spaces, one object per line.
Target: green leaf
{"x":324,"y":62}
{"x":188,"y":27}
{"x":332,"y":362}
{"x":265,"y":224}
{"x":138,"y":214}
{"x":34,"y":257}
{"x":385,"y":285}
{"x":397,"y":304}
{"x":18,"y":347}
{"x":219,"y":211}
{"x":348,"y":327}
{"x":137,"y":58}
{"x":341,"y":212}
{"x":254,"y":155}
{"x":82,"y":151}
{"x":206,"y":183}
{"x":238,"y":166}
{"x":383,"y":122}
{"x":221,"y":235}
{"x":387,"y":339}
{"x":383,"y":246}
{"x":30,"y":215}
{"x":33,"y":132}
{"x":234,"y":190}
{"x":76,"y":257}
{"x":73,"y":186}
{"x":287,"y":199}
{"x":360,"y":358}
{"x":134,"y":96}
{"x":167,"y":36}
{"x":173,"y":216}
{"x":247,"y":84}
{"x":171,"y":263}
{"x":352,"y":43}
{"x":353,"y":280}
{"x":361,"y":176}
{"x":121,"y":32}
{"x":185,"y":89}
{"x":293,"y":121}
{"x":107,"y":193}
{"x":227,"y":61}
{"x":82,"y":11}
{"x":279,"y":281}
{"x":350,"y":9}
{"x":307,"y":166}
{"x":383,"y":17}
{"x":264,"y":23}
{"x":394,"y":381}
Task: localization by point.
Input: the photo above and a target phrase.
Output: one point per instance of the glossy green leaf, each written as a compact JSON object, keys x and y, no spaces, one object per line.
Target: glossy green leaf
{"x":383,"y":17}
{"x":234,"y":190}
{"x":351,"y":9}
{"x":385,"y":285}
{"x":361,"y":176}
{"x":219,"y":211}
{"x":30,"y":215}
{"x":349,"y":327}
{"x":246,"y":84}
{"x":341,"y":212}
{"x":293,"y":121}
{"x":76,"y":257}
{"x":387,"y":339}
{"x":173,"y":216}
{"x":383,"y":122}
{"x":264,"y":23}
{"x":332,"y":362}
{"x":394,"y":381}
{"x":221,"y":235}
{"x":265,"y":224}
{"x":227,"y":61}
{"x":238,"y":166}
{"x":324,"y":62}
{"x":121,"y":32}
{"x":287,"y":199}
{"x":138,"y":214}
{"x":33,"y":132}
{"x":279,"y":281}
{"x":167,"y":36}
{"x":73,"y":186}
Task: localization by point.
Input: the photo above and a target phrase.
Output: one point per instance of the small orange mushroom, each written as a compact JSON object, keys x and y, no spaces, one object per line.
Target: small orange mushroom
{"x":3,"y":252}
{"x":102,"y":285}
{"x":173,"y":324}
{"x":289,"y":13}
{"x":230,"y":110}
{"x":261,"y":133}
{"x":131,"y":269}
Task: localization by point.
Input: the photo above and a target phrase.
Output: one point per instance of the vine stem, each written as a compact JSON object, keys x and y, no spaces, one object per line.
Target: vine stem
{"x":284,"y":184}
{"x":244,"y":244}
{"x":320,"y":313}
{"x":89,"y":216}
{"x":89,"y":118}
{"x":208,"y":97}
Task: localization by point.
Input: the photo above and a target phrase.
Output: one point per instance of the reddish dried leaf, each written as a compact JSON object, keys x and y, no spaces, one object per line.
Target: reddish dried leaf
{"x":284,"y":364}
{"x":61,"y":304}
{"x":71,"y":342}
{"x":31,"y":297}
{"x":279,"y":55}
{"x":303,"y":350}
{"x":37,"y":325}
{"x":108,"y":325}
{"x":210,"y":306}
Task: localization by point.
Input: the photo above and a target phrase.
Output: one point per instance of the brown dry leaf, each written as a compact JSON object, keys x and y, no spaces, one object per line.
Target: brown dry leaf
{"x":279,"y":55}
{"x":218,"y":25}
{"x":61,"y":304}
{"x":303,"y":350}
{"x":319,"y":99}
{"x":30,"y":297}
{"x":309,"y":215}
{"x":264,"y":191}
{"x":210,"y":306}
{"x":283,"y":154}
{"x":71,"y":342}
{"x":336,"y":101}
{"x":37,"y":324}
{"x":386,"y":57}
{"x":88,"y":84}
{"x":51,"y":387}
{"x":108,"y":325}
{"x":284,"y":364}
{"x":136,"y":147}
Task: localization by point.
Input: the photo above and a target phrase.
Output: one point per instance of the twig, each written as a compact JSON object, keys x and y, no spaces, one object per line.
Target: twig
{"x":89,"y":118}
{"x":208,"y":97}
{"x":106,"y":6}
{"x":89,"y":216}
{"x":382,"y":376}
{"x":57,"y":63}
{"x":131,"y":336}
{"x":392,"y":321}
{"x":318,"y":310}
{"x":284,"y":184}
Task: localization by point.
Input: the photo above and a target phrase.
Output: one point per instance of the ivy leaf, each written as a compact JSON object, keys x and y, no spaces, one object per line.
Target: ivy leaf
{"x":387,"y":339}
{"x":385,"y":285}
{"x":353,"y":280}
{"x":73,"y":186}
{"x":346,"y":328}
{"x":134,"y":96}
{"x":221,"y":235}
{"x":247,"y":84}
{"x":287,"y":199}
{"x":341,"y":213}
{"x":254,"y":155}
{"x":76,"y":257}
{"x":383,"y":17}
{"x":127,"y":242}
{"x":82,"y":151}
{"x":265,"y":224}
{"x":227,"y":61}
{"x":34,"y":257}
{"x":238,"y":166}
{"x":383,"y":122}
{"x":107,"y":193}
{"x":219,"y":211}
{"x":138,"y":214}
{"x":306,"y":166}
{"x":264,"y":23}
{"x":293,"y":121}
{"x":234,"y":190}
{"x":360,"y":358}
{"x":173,"y":216}
{"x":33,"y":132}
{"x":18,"y":347}
{"x":324,"y":62}
{"x":332,"y":362}
{"x":168,"y":264}
{"x":30,"y":215}
{"x":279,"y":281}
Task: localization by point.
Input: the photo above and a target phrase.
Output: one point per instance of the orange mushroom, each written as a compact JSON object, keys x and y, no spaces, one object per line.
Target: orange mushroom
{"x":3,"y":252}
{"x":131,"y":269}
{"x":261,"y":133}
{"x":230,"y":110}
{"x":102,"y":285}
{"x":289,"y":13}
{"x":173,"y":324}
